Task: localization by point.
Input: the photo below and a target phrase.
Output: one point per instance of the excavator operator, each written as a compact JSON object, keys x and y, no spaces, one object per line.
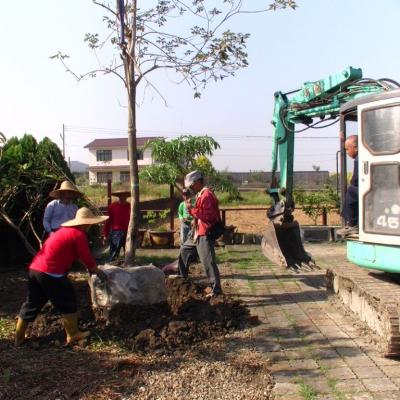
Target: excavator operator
{"x":350,"y":206}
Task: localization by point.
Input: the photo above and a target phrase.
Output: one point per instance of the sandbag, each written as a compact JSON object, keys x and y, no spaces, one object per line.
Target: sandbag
{"x":142,"y":285}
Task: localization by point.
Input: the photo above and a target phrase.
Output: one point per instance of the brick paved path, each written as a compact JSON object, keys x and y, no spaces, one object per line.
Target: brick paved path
{"x":316,"y":352}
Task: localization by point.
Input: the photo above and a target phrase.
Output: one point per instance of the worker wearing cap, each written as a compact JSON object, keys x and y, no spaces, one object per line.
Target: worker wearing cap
{"x":62,"y":208}
{"x":116,"y":227}
{"x":184,"y":217}
{"x":205,"y":213}
{"x":48,"y":275}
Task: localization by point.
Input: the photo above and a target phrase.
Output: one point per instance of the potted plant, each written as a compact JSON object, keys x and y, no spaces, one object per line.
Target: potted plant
{"x":159,"y":235}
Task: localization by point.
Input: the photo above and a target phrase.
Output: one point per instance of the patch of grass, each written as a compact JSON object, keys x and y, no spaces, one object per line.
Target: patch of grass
{"x":146,"y":259}
{"x":97,"y":344}
{"x":307,"y":391}
{"x":241,"y":265}
{"x":247,"y":198}
{"x":98,"y":193}
{"x":339,"y":395}
{"x":6,"y":328}
{"x":252,"y":286}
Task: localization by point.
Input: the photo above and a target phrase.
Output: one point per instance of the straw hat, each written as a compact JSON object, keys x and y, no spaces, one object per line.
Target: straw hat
{"x":84,"y":216}
{"x":119,"y":193}
{"x":66,"y":186}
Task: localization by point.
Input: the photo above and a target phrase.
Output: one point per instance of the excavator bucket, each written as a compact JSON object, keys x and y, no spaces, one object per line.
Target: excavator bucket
{"x":281,"y":243}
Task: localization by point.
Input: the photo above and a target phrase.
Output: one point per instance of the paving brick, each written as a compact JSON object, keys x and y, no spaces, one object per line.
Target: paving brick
{"x":360,"y":361}
{"x":304,"y":364}
{"x":361,"y":396}
{"x":330,"y":363}
{"x":283,"y":389}
{"x":349,"y":351}
{"x":396,"y":381}
{"x":350,"y":386}
{"x":379,"y":385}
{"x":368,"y":372}
{"x":291,"y":396}
{"x":340,"y":373}
{"x":297,"y":354}
{"x":379,"y":360}
{"x":395,"y":395}
{"x":275,"y":356}
{"x":319,"y":385}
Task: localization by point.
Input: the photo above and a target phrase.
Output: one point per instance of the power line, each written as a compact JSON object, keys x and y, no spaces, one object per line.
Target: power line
{"x":170,"y":135}
{"x":94,"y":131}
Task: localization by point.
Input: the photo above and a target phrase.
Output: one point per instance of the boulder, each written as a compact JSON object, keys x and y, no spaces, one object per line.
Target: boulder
{"x":144,"y":285}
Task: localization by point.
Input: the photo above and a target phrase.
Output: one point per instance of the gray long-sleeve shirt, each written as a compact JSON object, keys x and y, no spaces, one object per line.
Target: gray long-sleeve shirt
{"x":56,"y":213}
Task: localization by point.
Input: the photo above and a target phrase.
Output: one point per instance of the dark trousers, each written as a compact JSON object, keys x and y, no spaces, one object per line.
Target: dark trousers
{"x":350,"y":206}
{"x":41,"y":289}
{"x":117,"y":242}
{"x":206,"y":251}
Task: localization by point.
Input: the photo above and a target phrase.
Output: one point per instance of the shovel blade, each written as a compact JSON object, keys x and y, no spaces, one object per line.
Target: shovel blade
{"x":282,"y":245}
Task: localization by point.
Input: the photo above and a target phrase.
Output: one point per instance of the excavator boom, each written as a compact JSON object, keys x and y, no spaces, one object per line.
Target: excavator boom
{"x":320,"y":99}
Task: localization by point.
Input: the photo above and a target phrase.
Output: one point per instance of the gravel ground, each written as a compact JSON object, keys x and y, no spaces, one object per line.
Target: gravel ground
{"x":227,"y":369}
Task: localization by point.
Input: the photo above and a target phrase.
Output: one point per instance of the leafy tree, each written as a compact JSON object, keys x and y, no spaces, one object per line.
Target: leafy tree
{"x":145,"y":38}
{"x":28,"y":172}
{"x":316,"y":168}
{"x":314,"y":203}
{"x":175,"y":158}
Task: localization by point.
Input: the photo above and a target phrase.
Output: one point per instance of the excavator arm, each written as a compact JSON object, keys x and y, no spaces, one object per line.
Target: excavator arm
{"x":321,"y":99}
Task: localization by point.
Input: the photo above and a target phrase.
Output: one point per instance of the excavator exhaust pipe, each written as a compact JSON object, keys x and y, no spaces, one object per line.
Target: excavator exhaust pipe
{"x":281,"y":243}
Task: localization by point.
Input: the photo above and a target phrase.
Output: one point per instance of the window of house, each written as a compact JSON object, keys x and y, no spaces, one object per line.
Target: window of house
{"x":104,"y":155}
{"x":139,"y":154}
{"x":103,"y":177}
{"x":124,"y":176}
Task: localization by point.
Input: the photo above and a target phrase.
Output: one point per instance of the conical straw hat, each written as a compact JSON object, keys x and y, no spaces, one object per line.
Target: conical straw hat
{"x":118,"y":193}
{"x":66,"y":186}
{"x":84,"y":216}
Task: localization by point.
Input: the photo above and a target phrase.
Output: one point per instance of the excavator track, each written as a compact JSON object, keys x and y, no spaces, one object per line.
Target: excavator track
{"x":374,"y":296}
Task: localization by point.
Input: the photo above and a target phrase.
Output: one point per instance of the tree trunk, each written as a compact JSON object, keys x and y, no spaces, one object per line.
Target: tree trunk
{"x":129,"y":56}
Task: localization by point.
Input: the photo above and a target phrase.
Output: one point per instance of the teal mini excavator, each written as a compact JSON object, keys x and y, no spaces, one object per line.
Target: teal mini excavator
{"x":343,"y":97}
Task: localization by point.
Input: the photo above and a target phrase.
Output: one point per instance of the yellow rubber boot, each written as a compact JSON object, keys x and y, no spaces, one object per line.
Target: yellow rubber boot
{"x":72,"y":330}
{"x":20,"y":331}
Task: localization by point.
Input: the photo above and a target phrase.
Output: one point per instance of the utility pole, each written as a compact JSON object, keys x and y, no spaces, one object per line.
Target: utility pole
{"x":62,"y":135}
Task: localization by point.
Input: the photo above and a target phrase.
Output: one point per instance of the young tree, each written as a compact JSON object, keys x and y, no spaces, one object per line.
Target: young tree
{"x":187,"y":37}
{"x":175,"y":158}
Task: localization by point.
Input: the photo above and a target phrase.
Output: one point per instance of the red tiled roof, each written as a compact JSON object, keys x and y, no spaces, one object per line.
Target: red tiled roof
{"x":117,"y":142}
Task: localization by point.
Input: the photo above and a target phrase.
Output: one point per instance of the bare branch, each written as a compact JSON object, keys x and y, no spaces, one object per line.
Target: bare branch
{"x":106,"y":7}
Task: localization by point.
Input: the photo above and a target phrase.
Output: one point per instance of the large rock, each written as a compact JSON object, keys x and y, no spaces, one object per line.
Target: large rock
{"x":133,"y":285}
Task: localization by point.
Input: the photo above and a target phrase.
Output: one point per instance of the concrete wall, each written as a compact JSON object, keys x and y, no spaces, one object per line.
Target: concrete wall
{"x":302,"y":179}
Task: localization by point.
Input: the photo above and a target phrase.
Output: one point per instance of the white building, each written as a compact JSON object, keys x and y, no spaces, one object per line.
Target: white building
{"x":108,"y":159}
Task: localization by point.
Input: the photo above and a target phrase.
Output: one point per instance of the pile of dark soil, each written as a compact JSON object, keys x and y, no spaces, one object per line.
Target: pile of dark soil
{"x":130,"y":352}
{"x":187,"y":318}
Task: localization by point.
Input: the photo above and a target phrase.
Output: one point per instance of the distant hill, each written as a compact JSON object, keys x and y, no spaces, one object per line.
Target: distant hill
{"x":77,"y":166}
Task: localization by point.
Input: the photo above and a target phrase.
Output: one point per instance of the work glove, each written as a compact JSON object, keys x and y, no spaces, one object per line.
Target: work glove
{"x":101,"y":275}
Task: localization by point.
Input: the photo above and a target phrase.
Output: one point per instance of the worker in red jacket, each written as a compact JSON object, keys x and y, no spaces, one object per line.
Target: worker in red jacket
{"x":116,"y":227}
{"x":205,"y":213}
{"x":48,"y":275}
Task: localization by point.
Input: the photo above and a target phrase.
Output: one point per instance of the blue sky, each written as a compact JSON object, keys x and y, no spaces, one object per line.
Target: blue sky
{"x":286,"y":48}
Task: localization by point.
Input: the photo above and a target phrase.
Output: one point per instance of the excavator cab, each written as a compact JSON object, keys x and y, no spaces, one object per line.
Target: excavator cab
{"x":378,"y":116}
